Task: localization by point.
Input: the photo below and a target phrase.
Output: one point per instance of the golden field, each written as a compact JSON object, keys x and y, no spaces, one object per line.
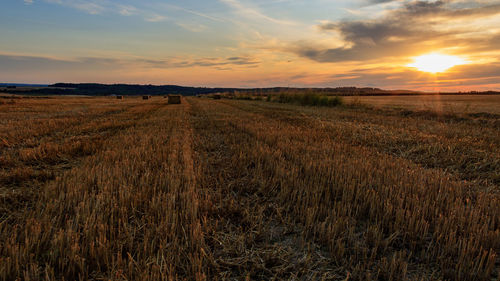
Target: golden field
{"x":447,"y":104}
{"x":106,"y":189}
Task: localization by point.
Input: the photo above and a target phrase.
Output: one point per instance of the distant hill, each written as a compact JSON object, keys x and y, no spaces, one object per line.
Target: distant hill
{"x":133,"y":90}
{"x":94,"y":89}
{"x":22,"y":85}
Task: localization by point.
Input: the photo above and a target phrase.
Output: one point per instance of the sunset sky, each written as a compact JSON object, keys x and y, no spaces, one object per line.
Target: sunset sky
{"x":252,"y":43}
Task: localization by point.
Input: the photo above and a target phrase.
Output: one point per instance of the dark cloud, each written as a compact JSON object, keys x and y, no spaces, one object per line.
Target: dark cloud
{"x":209,"y":62}
{"x":405,"y":31}
{"x":34,"y":63}
{"x":376,"y":2}
{"x":45,"y":70}
{"x":422,"y":8}
{"x":20,"y":63}
{"x":204,"y":62}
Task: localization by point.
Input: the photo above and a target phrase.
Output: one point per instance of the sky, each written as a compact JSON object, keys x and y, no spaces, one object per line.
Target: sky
{"x":252,"y":43}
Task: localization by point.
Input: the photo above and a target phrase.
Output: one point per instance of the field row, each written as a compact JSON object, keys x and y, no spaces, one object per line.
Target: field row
{"x":228,"y":189}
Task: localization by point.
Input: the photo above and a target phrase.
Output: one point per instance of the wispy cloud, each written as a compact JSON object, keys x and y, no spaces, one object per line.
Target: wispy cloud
{"x":91,"y":7}
{"x":193,"y":27}
{"x":150,"y":13}
{"x":28,"y":2}
{"x":189,"y":11}
{"x":155,"y":18}
{"x":253,"y":13}
{"x":127,"y":10}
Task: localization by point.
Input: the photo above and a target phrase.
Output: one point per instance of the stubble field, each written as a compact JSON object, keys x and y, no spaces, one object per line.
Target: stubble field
{"x":443,"y":104}
{"x":105,"y":189}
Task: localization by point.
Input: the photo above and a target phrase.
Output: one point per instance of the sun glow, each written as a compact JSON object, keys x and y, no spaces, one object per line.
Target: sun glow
{"x":436,"y":62}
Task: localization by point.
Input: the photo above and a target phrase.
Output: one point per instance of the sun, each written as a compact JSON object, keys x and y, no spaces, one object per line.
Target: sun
{"x":436,"y":62}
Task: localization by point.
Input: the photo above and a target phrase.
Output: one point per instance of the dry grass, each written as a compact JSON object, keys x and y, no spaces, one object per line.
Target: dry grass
{"x":443,"y":104}
{"x":92,"y":188}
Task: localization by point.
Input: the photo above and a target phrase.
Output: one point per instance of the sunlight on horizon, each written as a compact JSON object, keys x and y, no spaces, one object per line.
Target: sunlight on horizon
{"x":436,"y":62}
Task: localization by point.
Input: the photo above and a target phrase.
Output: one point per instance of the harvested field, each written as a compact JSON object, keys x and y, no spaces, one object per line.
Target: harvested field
{"x":448,"y":104}
{"x":246,"y":190}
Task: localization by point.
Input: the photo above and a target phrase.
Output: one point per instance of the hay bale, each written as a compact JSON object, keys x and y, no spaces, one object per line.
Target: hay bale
{"x":119,"y":97}
{"x":146,"y":97}
{"x":174,"y":99}
{"x":216,"y":97}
